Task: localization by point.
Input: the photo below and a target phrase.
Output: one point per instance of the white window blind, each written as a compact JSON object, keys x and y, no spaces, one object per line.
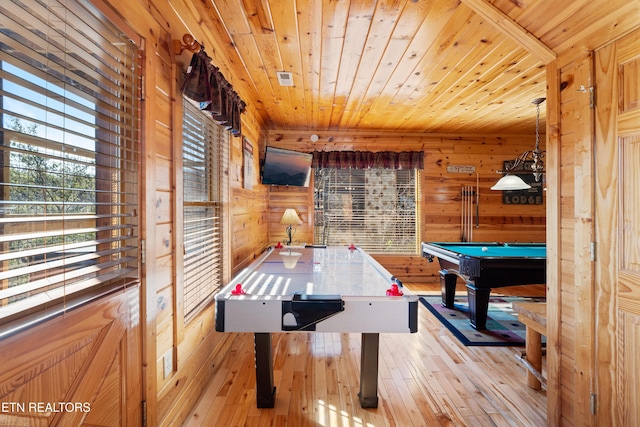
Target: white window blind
{"x":374,"y":209}
{"x":69,"y":155}
{"x":205,"y":154}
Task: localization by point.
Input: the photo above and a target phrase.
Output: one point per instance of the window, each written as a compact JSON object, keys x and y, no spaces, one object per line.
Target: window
{"x":69,"y":157}
{"x":204,"y":156}
{"x":373,"y":208}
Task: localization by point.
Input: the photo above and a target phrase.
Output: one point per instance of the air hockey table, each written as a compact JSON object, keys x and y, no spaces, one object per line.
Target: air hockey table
{"x":316,"y":289}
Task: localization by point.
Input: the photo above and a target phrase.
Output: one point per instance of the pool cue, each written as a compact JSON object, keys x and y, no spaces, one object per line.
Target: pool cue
{"x":466,"y":213}
{"x":462,"y":237}
{"x":477,"y":200}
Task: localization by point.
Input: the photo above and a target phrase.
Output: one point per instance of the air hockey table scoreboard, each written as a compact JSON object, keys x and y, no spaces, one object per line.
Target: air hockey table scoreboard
{"x":316,"y":289}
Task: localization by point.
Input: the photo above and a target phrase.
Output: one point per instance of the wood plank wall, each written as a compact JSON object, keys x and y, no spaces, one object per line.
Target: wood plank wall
{"x":298,"y":198}
{"x":248,"y":201}
{"x":440,"y":197}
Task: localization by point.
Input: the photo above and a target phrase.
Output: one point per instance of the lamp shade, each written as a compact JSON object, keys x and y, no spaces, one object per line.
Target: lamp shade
{"x":290,"y":217}
{"x":511,"y":182}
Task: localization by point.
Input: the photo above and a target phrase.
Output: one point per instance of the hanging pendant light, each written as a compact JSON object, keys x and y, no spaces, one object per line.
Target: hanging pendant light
{"x":513,"y":182}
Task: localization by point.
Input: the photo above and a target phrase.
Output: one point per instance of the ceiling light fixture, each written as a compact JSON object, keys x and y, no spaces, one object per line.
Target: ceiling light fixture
{"x":513,"y":182}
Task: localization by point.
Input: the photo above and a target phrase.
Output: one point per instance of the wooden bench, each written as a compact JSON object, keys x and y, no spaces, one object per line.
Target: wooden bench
{"x":534,"y":317}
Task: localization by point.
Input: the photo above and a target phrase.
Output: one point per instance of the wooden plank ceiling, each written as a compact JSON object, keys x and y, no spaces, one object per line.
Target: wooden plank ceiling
{"x":468,"y":66}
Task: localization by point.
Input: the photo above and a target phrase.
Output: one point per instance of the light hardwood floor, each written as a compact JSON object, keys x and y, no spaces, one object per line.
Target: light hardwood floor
{"x":424,"y":379}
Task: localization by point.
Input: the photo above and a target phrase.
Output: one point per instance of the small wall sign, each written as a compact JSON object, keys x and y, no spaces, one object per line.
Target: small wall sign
{"x":461,"y":169}
{"x":249,"y":173}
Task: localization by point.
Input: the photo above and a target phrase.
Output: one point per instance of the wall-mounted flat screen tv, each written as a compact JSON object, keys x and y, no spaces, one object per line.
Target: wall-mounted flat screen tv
{"x":286,"y":167}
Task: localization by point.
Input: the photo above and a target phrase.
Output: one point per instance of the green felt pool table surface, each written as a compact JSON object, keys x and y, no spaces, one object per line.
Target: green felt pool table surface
{"x":476,"y":249}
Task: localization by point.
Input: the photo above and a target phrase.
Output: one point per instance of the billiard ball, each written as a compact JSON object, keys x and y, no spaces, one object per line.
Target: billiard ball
{"x":485,"y":249}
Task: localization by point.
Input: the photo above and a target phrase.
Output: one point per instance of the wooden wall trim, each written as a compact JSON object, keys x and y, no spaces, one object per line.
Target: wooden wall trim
{"x":339,"y":140}
{"x":570,"y":216}
{"x":584,"y":237}
{"x":554,"y":403}
{"x":512,"y":29}
{"x":178,"y":201}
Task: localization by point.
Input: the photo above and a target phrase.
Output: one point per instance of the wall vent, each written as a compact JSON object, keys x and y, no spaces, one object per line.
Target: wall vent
{"x":285,"y":78}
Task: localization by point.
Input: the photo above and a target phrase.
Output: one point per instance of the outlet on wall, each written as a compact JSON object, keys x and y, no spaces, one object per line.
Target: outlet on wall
{"x":168,"y":363}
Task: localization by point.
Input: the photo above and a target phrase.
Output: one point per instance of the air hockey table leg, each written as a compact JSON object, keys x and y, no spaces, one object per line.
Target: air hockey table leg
{"x":369,"y":370}
{"x":265,"y":390}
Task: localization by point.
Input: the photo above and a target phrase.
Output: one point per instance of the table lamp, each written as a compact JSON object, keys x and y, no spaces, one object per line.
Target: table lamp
{"x":290,"y":217}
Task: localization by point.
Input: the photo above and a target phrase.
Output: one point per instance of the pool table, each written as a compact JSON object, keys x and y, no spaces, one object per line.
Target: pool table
{"x":484,"y":266}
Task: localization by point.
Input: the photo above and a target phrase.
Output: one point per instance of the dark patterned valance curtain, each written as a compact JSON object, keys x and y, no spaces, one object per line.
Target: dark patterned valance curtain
{"x":368,"y":159}
{"x":205,"y":84}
